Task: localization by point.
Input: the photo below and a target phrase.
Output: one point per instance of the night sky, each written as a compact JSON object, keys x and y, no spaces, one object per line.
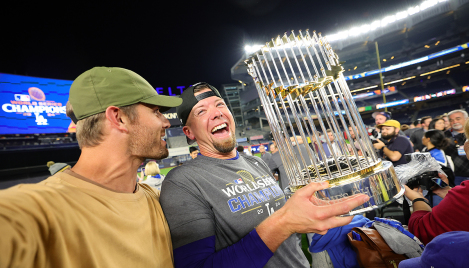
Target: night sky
{"x":169,"y":43}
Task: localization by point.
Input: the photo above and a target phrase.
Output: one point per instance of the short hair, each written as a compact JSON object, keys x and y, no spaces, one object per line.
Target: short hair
{"x":404,"y":127}
{"x":192,"y":149}
{"x":425,"y":118}
{"x":328,"y":130}
{"x":240,"y":148}
{"x":459,"y":111}
{"x":416,"y":122}
{"x":201,"y":87}
{"x":152,"y":168}
{"x":90,"y":129}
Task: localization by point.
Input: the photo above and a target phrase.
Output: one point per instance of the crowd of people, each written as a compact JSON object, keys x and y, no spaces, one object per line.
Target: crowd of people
{"x":223,"y":208}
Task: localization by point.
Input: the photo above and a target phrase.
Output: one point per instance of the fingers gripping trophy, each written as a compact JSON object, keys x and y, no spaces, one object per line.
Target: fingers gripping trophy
{"x":303,"y":92}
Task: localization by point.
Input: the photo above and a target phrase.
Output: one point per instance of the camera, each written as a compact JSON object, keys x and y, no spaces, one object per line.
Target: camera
{"x":381,"y":139}
{"x":426,"y":181}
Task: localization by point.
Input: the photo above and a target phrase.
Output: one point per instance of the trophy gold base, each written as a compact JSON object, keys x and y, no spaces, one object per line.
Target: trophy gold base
{"x":379,"y":182}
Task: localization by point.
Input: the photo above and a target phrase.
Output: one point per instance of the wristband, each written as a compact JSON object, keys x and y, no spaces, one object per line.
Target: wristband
{"x":419,"y":199}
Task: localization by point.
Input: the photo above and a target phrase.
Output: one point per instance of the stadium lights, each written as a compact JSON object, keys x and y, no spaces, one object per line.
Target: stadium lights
{"x":360,"y":89}
{"x":442,"y":69}
{"x":355,"y":31}
{"x":400,"y":80}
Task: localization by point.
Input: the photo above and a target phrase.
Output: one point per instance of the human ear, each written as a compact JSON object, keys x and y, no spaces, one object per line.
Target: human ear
{"x":188,"y":131}
{"x":115,"y":118}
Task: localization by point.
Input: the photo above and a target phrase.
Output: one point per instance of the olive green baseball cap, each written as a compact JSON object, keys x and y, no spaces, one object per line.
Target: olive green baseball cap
{"x":96,"y":89}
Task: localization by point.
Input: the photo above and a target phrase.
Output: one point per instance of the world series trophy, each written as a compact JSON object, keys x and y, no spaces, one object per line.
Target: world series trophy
{"x":302,"y":90}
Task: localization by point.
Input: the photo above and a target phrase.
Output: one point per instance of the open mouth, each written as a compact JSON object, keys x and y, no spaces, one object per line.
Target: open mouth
{"x":220,"y":130}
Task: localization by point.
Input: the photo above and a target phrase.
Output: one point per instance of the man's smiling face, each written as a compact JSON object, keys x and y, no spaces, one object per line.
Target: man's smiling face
{"x":211,"y":124}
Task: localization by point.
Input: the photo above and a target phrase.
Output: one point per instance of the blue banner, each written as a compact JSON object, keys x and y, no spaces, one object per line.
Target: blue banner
{"x":31,"y":105}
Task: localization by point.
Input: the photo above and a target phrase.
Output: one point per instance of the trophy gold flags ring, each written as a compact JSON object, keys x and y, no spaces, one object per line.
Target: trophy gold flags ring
{"x":303,"y":92}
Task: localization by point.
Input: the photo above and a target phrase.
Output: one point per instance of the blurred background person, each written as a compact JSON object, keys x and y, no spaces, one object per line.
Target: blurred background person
{"x":335,"y":146}
{"x":450,"y":215}
{"x":416,"y":137}
{"x":152,"y":175}
{"x":445,"y":117}
{"x":240,"y":150}
{"x":265,"y":156}
{"x":315,"y":146}
{"x":193,"y":151}
{"x":435,"y":142}
{"x":396,"y":146}
{"x":437,"y":123}
{"x":457,"y":119}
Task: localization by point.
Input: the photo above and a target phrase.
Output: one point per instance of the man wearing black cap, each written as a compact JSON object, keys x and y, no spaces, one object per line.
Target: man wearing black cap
{"x":225,"y":209}
{"x":96,"y":214}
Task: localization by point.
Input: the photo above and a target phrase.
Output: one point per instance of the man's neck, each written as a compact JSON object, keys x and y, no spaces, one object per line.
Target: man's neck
{"x":113,"y":169}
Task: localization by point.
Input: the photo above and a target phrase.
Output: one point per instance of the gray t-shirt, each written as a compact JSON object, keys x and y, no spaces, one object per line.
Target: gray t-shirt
{"x":226,"y":199}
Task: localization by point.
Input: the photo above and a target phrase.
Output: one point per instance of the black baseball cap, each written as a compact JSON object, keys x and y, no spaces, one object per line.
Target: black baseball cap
{"x":189,"y":101}
{"x":385,"y":114}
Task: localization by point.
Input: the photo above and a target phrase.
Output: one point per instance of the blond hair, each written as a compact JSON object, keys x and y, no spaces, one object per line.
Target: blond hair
{"x":152,"y":169}
{"x":466,"y":128}
{"x":90,"y":129}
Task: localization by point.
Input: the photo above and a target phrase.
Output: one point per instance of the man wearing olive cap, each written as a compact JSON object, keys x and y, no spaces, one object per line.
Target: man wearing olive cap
{"x":396,"y":147}
{"x":96,"y":214}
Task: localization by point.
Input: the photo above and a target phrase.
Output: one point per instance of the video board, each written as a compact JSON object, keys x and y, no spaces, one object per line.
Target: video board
{"x":32,"y":105}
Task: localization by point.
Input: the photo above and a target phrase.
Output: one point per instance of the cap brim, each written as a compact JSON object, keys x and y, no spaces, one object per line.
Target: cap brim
{"x":164,"y":102}
{"x":410,"y":263}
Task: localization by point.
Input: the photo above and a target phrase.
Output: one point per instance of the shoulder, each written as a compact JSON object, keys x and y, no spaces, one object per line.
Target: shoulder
{"x":401,"y":139}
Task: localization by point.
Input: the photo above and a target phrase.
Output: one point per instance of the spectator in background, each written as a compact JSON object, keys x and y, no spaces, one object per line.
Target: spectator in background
{"x":457,"y":119}
{"x":240,"y":149}
{"x":437,"y":123}
{"x":396,"y":147}
{"x":153,"y":177}
{"x":315,"y":146}
{"x":416,"y":137}
{"x":354,"y":141}
{"x":265,"y":156}
{"x":451,"y":214}
{"x":249,"y":151}
{"x":276,"y":165}
{"x":405,"y":127}
{"x":435,"y":142}
{"x":413,"y":127}
{"x":193,"y":151}
{"x":445,"y":117}
{"x":335,"y":146}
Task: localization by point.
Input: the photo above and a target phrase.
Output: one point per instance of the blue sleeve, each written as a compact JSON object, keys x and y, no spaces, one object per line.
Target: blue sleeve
{"x":250,"y":251}
{"x":335,"y":236}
